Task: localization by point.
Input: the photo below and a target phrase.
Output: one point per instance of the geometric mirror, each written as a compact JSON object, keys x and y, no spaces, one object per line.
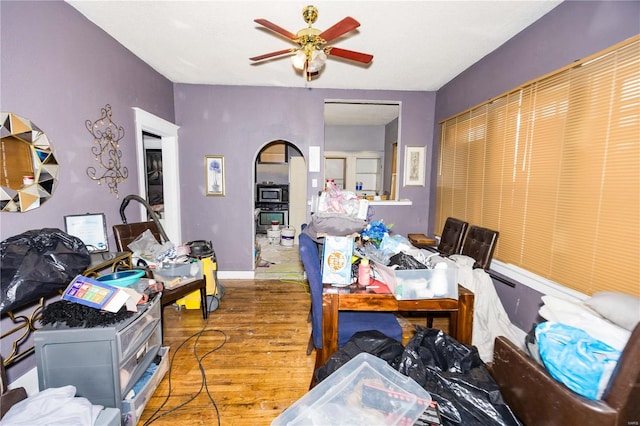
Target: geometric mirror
{"x":28,"y":168}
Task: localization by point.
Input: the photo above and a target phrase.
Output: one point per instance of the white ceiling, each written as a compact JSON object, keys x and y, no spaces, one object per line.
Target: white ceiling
{"x":417,"y":45}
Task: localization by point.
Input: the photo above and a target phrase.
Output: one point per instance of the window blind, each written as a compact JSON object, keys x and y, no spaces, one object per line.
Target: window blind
{"x":554,"y":166}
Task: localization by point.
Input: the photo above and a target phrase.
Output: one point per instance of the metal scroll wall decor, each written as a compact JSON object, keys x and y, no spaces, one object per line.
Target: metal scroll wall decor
{"x":106,"y":149}
{"x":28,"y":168}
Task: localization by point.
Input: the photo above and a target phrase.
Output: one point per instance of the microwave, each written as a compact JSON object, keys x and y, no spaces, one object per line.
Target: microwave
{"x":272,"y":193}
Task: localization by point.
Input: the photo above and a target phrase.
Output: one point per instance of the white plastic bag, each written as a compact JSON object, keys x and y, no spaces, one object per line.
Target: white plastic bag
{"x":147,"y":248}
{"x":334,"y":200}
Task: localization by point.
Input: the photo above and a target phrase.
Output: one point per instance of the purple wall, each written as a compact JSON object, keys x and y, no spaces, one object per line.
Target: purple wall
{"x":58,"y":70}
{"x":571,"y":31}
{"x":238,"y":121}
{"x":58,"y":74}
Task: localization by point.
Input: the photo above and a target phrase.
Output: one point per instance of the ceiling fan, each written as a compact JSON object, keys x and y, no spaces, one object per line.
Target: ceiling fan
{"x":312,"y":51}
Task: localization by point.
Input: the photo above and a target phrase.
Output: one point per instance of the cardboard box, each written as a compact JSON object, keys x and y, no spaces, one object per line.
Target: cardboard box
{"x":336,"y":260}
{"x":421,"y":283}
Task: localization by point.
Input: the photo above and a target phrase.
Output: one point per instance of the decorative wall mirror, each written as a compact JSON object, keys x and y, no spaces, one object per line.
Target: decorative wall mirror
{"x":28,"y":168}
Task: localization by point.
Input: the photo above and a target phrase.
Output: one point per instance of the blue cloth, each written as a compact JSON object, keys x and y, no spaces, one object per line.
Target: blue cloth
{"x":144,"y":378}
{"x":583,"y":363}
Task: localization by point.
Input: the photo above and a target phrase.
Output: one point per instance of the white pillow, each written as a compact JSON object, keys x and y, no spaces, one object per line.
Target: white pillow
{"x":580,"y":316}
{"x":619,"y":308}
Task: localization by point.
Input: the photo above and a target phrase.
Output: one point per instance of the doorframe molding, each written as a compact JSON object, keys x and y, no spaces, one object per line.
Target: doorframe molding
{"x":168,"y":133}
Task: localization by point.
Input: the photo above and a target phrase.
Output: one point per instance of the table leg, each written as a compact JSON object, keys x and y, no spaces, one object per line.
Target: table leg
{"x":464,"y":326}
{"x":329,"y":328}
{"x":454,"y":330}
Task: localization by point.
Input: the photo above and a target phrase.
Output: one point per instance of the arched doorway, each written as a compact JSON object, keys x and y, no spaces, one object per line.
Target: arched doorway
{"x":280,"y":194}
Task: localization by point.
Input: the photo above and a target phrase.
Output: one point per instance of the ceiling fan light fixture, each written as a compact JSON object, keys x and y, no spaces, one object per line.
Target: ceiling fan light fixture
{"x":315,"y":64}
{"x":299,"y":60}
{"x":312,"y":52}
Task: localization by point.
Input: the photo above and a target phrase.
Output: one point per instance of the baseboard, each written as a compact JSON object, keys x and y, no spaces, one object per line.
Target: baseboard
{"x":236,"y":275}
{"x":537,"y":282}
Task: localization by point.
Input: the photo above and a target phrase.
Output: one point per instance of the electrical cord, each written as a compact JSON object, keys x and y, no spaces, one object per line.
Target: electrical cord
{"x":203,"y":383}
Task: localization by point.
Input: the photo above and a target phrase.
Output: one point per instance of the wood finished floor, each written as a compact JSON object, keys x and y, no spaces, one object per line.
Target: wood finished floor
{"x":252,"y":356}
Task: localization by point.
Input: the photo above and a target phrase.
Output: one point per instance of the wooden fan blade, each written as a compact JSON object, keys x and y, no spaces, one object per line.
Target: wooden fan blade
{"x":275,"y":28}
{"x":272,"y":54}
{"x":342,"y":27}
{"x":350,"y":54}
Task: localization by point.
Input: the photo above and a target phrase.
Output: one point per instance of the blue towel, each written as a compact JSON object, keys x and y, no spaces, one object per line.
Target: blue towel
{"x":144,"y":379}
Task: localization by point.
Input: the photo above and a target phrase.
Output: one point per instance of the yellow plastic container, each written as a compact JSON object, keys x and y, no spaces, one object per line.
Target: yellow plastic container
{"x":192,"y":300}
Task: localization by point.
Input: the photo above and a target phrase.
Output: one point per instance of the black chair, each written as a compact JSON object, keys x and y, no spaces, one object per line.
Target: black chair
{"x":126,"y":233}
{"x":453,"y":233}
{"x":479,"y":244}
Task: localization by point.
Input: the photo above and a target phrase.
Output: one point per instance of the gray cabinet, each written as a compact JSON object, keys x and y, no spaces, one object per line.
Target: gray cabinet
{"x":104,"y":363}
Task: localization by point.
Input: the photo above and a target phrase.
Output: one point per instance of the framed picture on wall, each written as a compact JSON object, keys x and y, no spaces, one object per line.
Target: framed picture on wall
{"x":214,"y":175}
{"x":414,"y":165}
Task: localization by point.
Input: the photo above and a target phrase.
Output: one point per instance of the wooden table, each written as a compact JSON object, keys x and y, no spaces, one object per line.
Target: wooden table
{"x":170,"y":295}
{"x":353,"y":298}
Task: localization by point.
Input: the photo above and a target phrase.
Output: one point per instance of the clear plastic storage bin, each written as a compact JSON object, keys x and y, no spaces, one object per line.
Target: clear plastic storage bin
{"x":438,"y":283}
{"x":365,"y":391}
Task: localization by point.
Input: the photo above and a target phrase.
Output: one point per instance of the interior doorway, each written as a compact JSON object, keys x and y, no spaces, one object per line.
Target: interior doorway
{"x":154,"y":175}
{"x":162,"y":135}
{"x":280,"y":209}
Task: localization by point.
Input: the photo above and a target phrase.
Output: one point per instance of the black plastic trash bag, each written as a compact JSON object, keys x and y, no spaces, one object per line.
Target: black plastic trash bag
{"x":38,"y":263}
{"x":372,"y":342}
{"x":405,"y":261}
{"x":456,"y":378}
{"x":450,"y":371}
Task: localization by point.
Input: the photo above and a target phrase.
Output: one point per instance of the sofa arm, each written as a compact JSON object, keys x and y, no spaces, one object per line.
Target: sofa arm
{"x":536,"y":398}
{"x":10,"y":398}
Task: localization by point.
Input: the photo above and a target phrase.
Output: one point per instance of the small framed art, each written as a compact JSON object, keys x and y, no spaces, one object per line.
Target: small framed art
{"x":414,"y":165}
{"x":214,"y":175}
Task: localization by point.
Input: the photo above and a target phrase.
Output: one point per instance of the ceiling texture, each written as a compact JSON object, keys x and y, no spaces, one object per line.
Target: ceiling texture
{"x":417,"y":45}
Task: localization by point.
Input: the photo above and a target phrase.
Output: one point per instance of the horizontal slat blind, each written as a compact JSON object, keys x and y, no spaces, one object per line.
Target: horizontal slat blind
{"x":554,"y":166}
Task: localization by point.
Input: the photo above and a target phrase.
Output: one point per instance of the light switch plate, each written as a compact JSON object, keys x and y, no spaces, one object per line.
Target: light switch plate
{"x":314,"y":159}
